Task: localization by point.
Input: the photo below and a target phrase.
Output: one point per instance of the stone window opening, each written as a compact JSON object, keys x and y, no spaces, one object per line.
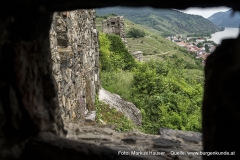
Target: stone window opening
{"x":26,"y":135}
{"x":113,"y":23}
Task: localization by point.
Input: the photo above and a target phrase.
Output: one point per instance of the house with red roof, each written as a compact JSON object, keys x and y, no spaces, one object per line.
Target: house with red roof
{"x":181,"y":44}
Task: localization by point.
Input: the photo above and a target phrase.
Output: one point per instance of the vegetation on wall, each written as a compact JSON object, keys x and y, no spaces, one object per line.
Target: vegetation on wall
{"x":113,"y":53}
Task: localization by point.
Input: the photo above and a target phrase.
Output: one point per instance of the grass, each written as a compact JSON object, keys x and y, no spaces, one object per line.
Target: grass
{"x":108,"y":115}
{"x":119,"y":82}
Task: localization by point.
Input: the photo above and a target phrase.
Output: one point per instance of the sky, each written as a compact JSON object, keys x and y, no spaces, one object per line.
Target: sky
{"x":205,"y":12}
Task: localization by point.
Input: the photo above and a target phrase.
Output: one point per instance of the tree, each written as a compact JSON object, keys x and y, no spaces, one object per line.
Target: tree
{"x":200,"y":45}
{"x":135,"y":33}
{"x":207,"y":48}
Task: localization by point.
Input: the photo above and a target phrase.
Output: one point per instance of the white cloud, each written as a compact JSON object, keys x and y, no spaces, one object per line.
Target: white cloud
{"x":205,"y":12}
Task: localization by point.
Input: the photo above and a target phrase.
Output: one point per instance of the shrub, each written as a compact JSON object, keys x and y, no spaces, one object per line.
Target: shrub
{"x":105,"y":54}
{"x":113,"y":53}
{"x":168,"y":92}
{"x":200,"y":45}
{"x":135,"y":33}
{"x":167,"y":97}
{"x":119,"y":48}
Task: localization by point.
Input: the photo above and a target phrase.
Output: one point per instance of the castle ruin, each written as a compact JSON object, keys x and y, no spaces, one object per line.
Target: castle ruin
{"x":114,"y":25}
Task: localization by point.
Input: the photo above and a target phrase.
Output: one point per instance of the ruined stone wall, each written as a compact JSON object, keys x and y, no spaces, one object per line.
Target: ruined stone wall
{"x":75,"y":56}
{"x":114,"y":25}
{"x":138,"y":55}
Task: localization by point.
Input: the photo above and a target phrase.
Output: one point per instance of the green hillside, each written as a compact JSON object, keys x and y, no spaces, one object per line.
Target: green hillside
{"x":226,"y":19}
{"x":167,"y":87}
{"x":153,"y":45}
{"x":166,"y":21}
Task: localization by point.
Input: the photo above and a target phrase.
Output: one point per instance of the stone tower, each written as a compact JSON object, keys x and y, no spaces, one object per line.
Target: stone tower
{"x":114,"y":25}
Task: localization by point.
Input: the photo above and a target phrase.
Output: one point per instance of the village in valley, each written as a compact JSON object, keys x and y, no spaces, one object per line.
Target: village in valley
{"x":201,"y":47}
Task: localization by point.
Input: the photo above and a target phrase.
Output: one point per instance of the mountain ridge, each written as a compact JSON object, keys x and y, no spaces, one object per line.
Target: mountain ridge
{"x":226,"y":19}
{"x":168,"y":22}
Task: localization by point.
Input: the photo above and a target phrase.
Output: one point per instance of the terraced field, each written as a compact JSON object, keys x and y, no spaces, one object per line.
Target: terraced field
{"x":152,"y":45}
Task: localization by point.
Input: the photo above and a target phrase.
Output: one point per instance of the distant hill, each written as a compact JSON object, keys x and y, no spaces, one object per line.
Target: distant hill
{"x":225,"y":19}
{"x":167,"y":21}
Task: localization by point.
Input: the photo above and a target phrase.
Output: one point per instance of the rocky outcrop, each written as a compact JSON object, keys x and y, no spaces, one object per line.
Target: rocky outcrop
{"x":127,"y":108}
{"x":138,"y":55}
{"x":75,"y":56}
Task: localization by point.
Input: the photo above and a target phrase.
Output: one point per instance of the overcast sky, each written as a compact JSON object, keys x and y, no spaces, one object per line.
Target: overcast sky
{"x":205,"y":12}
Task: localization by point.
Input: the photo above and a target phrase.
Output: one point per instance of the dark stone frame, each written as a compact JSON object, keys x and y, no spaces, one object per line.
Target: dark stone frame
{"x":28,"y":101}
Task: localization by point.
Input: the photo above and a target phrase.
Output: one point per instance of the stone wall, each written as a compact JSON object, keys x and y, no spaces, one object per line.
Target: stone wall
{"x":114,"y":25}
{"x":75,"y":56}
{"x":138,"y":55}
